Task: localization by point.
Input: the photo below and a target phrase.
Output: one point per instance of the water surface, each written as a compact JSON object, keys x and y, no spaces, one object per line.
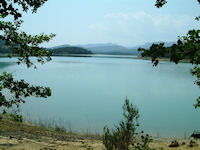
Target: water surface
{"x":88,"y":93}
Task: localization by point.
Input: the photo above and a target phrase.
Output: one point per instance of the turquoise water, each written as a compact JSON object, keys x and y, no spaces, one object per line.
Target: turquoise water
{"x":88,"y":93}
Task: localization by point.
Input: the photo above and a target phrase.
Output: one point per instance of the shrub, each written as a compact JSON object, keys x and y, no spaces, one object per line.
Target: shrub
{"x":15,"y":116}
{"x":122,"y":136}
{"x":60,"y":129}
{"x":144,"y":143}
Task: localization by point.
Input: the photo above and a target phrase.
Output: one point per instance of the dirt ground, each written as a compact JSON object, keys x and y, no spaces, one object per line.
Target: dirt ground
{"x":45,"y":143}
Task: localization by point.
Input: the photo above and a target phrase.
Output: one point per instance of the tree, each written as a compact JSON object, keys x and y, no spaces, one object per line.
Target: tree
{"x":187,"y":47}
{"x":24,"y":46}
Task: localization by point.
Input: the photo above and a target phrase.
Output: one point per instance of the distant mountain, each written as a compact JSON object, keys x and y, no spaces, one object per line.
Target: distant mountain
{"x":58,"y":50}
{"x":115,"y":49}
{"x":61,"y":46}
{"x":100,"y":48}
{"x":108,"y":48}
{"x":69,"y":50}
{"x":148,"y":45}
{"x":96,"y":45}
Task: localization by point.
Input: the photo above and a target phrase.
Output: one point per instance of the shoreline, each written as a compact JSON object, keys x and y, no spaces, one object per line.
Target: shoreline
{"x":163,"y":59}
{"x":129,"y":56}
{"x":21,"y":135}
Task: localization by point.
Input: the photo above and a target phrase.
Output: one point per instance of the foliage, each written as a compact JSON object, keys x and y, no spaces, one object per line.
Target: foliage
{"x":22,"y":45}
{"x":187,"y":47}
{"x":19,"y":90}
{"x":60,"y":129}
{"x":144,"y":144}
{"x":122,"y":136}
{"x":7,"y":7}
{"x":86,"y":146}
{"x":15,"y":116}
{"x":160,"y":3}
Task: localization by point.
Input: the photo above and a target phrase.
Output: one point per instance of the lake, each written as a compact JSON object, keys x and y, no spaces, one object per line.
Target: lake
{"x":88,"y":93}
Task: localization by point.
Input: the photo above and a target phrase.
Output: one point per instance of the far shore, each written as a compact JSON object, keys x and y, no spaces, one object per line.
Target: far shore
{"x":120,"y":56}
{"x":163,"y":59}
{"x":129,"y":56}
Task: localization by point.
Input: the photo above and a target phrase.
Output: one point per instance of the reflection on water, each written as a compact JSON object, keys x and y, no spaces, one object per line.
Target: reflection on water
{"x":88,"y":93}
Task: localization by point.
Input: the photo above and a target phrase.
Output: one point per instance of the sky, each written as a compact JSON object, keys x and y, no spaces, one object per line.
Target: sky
{"x":123,"y":22}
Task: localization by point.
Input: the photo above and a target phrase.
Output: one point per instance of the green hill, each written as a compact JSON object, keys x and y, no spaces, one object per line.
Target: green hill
{"x":56,"y":51}
{"x":69,"y":50}
{"x":3,"y":48}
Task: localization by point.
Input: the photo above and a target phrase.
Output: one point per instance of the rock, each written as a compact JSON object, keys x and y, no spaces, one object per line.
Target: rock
{"x":183,"y":143}
{"x":193,"y":144}
{"x":196,"y":135}
{"x":174,"y":144}
{"x":11,"y":137}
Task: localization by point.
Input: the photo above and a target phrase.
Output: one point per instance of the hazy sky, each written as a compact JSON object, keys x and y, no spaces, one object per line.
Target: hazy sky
{"x":125,"y":22}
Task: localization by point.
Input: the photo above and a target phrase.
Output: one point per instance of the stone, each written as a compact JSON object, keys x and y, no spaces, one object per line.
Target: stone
{"x":183,"y":143}
{"x":193,"y":144}
{"x":174,"y":143}
{"x":196,"y":135}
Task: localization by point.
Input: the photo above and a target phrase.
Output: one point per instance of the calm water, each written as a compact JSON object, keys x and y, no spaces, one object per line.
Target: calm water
{"x":88,"y":93}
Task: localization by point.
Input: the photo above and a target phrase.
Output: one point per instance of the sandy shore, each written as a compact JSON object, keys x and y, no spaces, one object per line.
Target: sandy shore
{"x":47,"y":143}
{"x":23,"y":136}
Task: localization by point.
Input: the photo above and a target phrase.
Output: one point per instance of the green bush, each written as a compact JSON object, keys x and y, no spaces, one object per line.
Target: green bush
{"x":16,"y":117}
{"x":60,"y":129}
{"x":144,"y":143}
{"x":122,"y":136}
